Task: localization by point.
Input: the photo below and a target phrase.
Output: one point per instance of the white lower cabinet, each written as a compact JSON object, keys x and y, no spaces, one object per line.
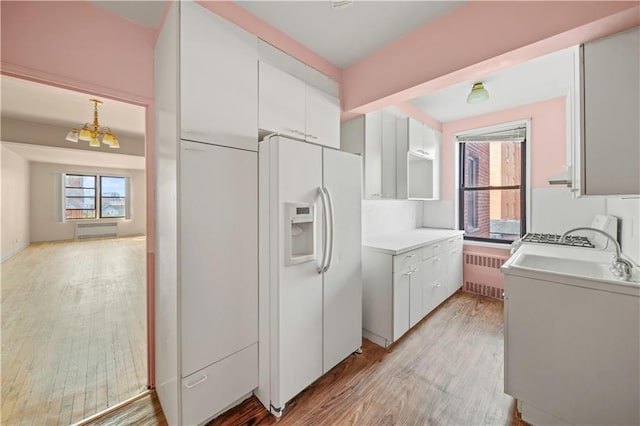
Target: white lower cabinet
{"x":202,"y":393}
{"x":400,"y":290}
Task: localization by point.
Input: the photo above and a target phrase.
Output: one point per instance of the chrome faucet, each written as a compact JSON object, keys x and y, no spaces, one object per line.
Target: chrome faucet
{"x":620,"y":267}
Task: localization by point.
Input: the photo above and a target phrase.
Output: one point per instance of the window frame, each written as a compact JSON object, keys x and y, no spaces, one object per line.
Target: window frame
{"x":97,"y":197}
{"x":126,"y":196}
{"x":525,"y":194}
{"x":65,"y":196}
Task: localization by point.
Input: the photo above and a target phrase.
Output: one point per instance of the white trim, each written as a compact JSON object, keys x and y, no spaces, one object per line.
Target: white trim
{"x":492,"y":128}
{"x":456,"y":167}
{"x":13,"y":252}
{"x":503,"y":246}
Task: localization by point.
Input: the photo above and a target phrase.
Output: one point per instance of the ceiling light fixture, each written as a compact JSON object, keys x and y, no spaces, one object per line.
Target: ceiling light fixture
{"x":90,"y":132}
{"x":340,"y":4}
{"x":478,"y":94}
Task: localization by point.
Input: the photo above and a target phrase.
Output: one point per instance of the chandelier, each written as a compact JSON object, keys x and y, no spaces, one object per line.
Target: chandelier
{"x":92,"y":131}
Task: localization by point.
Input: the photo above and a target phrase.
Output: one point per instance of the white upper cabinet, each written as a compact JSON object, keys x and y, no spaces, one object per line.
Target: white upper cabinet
{"x":281,"y":102}
{"x":418,"y":160}
{"x":323,"y":118}
{"x":291,"y":107}
{"x":610,"y":149}
{"x":218,"y":78}
{"x":373,"y":136}
{"x":415,"y":133}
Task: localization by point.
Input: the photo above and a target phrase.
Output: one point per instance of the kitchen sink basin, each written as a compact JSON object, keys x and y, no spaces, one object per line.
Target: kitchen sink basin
{"x":579,"y":268}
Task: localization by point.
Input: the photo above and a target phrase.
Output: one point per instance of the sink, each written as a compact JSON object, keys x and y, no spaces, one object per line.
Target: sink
{"x":578,"y":268}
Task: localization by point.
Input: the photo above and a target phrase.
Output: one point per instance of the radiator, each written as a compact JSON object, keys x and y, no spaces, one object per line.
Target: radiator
{"x":482,"y":274}
{"x":96,"y":230}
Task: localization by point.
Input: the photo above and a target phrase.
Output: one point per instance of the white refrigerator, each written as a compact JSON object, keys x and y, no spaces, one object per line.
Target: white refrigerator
{"x":310,"y":268}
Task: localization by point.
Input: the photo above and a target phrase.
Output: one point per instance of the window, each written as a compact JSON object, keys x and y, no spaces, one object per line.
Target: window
{"x":113,"y":192}
{"x":93,"y":196}
{"x":79,"y":197}
{"x":492,"y":206}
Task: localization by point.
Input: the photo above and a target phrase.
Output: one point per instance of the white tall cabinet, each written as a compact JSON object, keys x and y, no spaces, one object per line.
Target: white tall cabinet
{"x":206,"y":214}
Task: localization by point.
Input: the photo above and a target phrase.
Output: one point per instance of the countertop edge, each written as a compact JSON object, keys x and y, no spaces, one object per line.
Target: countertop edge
{"x":423,"y":243}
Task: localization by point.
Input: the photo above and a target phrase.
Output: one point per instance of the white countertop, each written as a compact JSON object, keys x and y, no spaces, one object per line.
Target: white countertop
{"x":401,"y":242}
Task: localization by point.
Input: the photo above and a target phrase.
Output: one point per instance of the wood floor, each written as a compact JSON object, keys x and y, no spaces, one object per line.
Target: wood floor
{"x":73,"y":329}
{"x":447,"y":371}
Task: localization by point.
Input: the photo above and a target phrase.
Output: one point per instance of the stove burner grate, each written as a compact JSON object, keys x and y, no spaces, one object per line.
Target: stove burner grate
{"x":571,"y":240}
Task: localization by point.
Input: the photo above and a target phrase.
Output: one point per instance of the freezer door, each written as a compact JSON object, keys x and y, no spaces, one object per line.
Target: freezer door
{"x":342,"y":298}
{"x":296,"y":290}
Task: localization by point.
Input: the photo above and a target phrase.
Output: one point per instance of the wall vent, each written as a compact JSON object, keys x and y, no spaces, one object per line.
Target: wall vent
{"x":482,"y":274}
{"x":86,"y":231}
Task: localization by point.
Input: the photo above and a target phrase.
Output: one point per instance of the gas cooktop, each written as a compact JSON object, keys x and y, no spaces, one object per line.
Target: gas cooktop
{"x":571,"y":240}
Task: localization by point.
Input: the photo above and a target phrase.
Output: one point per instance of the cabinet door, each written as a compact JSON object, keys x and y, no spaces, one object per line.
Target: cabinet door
{"x":218,"y":83}
{"x":429,"y":141}
{"x":611,"y":115}
{"x":218,"y":253}
{"x":454,"y":273}
{"x":373,"y":156}
{"x":416,"y":135}
{"x":322,"y":118}
{"x":416,"y":284}
{"x":434,"y":289}
{"x":388,"y":158}
{"x":281,"y":102}
{"x":401,"y":284}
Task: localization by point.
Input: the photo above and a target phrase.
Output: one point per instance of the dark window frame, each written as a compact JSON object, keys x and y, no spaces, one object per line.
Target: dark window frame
{"x":95,"y":196}
{"x":462,"y":189}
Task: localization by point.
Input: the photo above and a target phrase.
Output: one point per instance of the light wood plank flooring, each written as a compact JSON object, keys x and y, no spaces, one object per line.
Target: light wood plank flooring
{"x":73,"y":329}
{"x":447,"y":371}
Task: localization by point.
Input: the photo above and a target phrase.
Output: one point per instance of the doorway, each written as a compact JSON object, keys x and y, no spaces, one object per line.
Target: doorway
{"x":74,"y":257}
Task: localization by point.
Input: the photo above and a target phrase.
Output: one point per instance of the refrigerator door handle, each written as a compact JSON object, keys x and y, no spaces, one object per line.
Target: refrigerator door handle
{"x":331,"y":228}
{"x":325,"y":233}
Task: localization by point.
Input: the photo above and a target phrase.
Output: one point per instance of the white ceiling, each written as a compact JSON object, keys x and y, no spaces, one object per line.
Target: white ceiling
{"x":75,"y":157}
{"x":537,"y":80}
{"x":146,"y":12}
{"x":30,"y":101}
{"x":343,"y":36}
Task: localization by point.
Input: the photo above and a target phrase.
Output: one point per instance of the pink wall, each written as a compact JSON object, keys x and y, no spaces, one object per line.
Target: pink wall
{"x":476,"y":39}
{"x":547,"y":140}
{"x":242,"y":18}
{"x":80,"y":46}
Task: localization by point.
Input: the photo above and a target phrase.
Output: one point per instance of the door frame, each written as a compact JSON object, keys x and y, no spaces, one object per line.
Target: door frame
{"x":148,"y":104}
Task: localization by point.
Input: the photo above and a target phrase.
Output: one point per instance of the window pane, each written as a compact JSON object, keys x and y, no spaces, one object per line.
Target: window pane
{"x":78,"y":192}
{"x":492,"y":214}
{"x":80,"y":214}
{"x":489,"y":164}
{"x":79,"y":203}
{"x":113,"y":207}
{"x":112,"y":186}
{"x":76,"y":181}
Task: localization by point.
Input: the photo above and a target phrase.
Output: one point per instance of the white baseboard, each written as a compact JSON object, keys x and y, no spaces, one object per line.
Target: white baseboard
{"x":13,"y":253}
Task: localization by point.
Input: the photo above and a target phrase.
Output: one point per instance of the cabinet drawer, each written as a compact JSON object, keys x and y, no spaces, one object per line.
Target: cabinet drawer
{"x":455,"y":242}
{"x":207,"y":392}
{"x":435,"y":267}
{"x":402,"y":261}
{"x":434,"y":249}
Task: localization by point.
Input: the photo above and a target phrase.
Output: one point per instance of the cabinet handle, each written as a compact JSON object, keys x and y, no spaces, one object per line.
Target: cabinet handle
{"x":436,"y":284}
{"x":411,"y":255}
{"x":311,"y":136}
{"x":451,"y":241}
{"x":436,"y":246}
{"x":411,"y":271}
{"x":192,"y":385}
